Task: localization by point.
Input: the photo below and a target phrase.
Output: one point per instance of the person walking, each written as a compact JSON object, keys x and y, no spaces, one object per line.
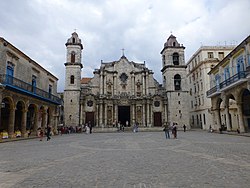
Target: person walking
{"x":40,"y":134}
{"x":166,"y":130}
{"x":48,"y":133}
{"x":184,"y":128}
{"x":174,"y":130}
{"x":90,"y":128}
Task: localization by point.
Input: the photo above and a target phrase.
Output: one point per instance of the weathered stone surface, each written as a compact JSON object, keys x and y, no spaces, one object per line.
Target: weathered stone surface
{"x":127,"y":160}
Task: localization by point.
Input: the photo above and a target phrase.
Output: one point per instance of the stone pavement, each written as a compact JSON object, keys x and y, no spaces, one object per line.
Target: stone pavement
{"x":127,"y":160}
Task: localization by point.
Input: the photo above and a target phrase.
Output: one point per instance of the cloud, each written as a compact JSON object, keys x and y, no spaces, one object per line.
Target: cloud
{"x":40,"y":28}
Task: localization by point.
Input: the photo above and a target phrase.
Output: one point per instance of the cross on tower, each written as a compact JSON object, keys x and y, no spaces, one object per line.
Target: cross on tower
{"x":75,"y":30}
{"x":122,"y":51}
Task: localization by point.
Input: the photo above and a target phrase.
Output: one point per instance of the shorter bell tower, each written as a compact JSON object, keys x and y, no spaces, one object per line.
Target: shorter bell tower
{"x":72,"y":87}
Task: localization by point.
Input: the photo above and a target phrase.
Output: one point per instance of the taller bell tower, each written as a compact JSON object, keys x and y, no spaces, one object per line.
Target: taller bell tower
{"x":175,"y":81}
{"x":72,"y":87}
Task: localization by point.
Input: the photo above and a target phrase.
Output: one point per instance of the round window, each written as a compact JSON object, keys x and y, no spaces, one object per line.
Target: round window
{"x":90,"y":103}
{"x":157,"y":103}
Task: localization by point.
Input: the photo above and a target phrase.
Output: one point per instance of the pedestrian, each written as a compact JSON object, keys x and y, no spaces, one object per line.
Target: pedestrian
{"x":174,"y":130}
{"x":122,"y":127}
{"x":90,"y":128}
{"x":184,"y":128}
{"x":126,"y":123}
{"x":48,"y":132}
{"x":40,"y":134}
{"x":166,"y":130}
{"x":29,"y":133}
{"x":238,"y":131}
{"x":118,"y":126}
{"x":136,"y":127}
{"x":87,"y":129}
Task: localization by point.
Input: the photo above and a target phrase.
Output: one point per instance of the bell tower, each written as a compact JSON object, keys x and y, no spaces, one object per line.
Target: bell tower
{"x":175,"y":81}
{"x":72,"y":89}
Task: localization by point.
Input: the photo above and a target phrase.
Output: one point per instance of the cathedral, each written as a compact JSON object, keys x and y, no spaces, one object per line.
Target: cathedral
{"x":125,"y":91}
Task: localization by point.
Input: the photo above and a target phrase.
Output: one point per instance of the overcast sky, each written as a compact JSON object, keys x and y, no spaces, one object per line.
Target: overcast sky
{"x":40,"y":28}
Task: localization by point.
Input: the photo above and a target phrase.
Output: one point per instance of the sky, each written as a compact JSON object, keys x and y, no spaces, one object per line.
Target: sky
{"x":40,"y":29}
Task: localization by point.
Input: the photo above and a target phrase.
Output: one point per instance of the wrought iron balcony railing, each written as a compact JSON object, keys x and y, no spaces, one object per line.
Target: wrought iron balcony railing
{"x":21,"y":86}
{"x":227,"y":83}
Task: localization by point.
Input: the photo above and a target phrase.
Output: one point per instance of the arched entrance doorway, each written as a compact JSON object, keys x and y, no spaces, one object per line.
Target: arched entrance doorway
{"x":5,"y":114}
{"x":18,"y":116}
{"x":31,"y":118}
{"x":124,"y":115}
{"x":246,"y":109}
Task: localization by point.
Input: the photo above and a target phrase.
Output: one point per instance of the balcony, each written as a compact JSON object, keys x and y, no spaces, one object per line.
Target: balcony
{"x":227,"y":84}
{"x":17,"y":85}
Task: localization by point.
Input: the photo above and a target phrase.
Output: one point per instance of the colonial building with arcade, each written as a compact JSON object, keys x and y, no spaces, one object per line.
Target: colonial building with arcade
{"x":28,"y":94}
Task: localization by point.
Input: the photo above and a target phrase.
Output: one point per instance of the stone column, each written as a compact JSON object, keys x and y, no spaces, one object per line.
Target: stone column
{"x":81,"y":113}
{"x":115,"y":84}
{"x":44,"y":119}
{"x":241,"y":122}
{"x":133,"y":114}
{"x":23,"y":122}
{"x":101,"y":83}
{"x":116,"y":112}
{"x":228,"y":118}
{"x":105,"y":114}
{"x":148,"y":123}
{"x":105,"y":84}
{"x":97,"y":115}
{"x":147,"y":77}
{"x":217,"y":117}
{"x":133,"y":84}
{"x":143,"y":83}
{"x":143,"y":115}
{"x":11,"y":123}
{"x":166,"y":112}
{"x":100,"y":115}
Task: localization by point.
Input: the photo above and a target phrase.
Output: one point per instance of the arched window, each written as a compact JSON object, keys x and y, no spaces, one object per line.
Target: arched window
{"x":173,"y":43}
{"x":74,"y":40}
{"x":175,"y":58}
{"x":73,"y":57}
{"x":72,"y":79}
{"x":177,"y":82}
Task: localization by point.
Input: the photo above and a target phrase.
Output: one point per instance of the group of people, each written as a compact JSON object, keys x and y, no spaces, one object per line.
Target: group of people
{"x":47,"y":133}
{"x":67,"y":130}
{"x":173,"y":129}
{"x":88,"y":128}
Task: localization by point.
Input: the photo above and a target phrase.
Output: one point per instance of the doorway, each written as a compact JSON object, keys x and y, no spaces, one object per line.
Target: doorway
{"x":90,"y":118}
{"x":157,"y":119}
{"x":124,"y":115}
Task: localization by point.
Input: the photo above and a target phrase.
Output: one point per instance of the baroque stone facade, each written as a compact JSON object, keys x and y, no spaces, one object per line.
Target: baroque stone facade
{"x":124,"y":91}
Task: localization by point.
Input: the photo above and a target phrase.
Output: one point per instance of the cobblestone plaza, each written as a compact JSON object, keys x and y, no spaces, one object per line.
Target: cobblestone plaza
{"x":127,"y":160}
